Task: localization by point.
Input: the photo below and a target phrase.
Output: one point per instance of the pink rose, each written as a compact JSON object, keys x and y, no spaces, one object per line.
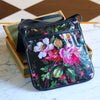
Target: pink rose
{"x":70,"y":54}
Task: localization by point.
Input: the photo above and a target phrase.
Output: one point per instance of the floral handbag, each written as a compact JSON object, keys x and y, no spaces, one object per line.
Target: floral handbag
{"x":56,"y":53}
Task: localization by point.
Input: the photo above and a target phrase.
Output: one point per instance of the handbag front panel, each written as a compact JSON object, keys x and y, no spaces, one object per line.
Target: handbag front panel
{"x":58,"y":60}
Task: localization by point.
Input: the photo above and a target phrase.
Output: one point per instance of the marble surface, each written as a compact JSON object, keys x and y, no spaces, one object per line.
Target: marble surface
{"x":14,"y":87}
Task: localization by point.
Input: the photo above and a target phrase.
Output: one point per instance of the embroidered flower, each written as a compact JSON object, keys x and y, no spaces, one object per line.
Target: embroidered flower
{"x":43,"y":47}
{"x":82,"y":73}
{"x":34,"y":75}
{"x":54,"y":56}
{"x":70,"y":54}
{"x":63,"y":77}
{"x":72,"y":81}
{"x":45,"y":33}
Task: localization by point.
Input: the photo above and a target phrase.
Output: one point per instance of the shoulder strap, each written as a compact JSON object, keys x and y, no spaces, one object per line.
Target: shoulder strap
{"x":73,"y":16}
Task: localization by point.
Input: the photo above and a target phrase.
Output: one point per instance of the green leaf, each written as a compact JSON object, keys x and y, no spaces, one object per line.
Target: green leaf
{"x":51,"y":30}
{"x":50,"y":78}
{"x":48,"y":30}
{"x":71,"y":74}
{"x":63,"y":25}
{"x":47,"y":75}
{"x":44,"y":76}
{"x":30,"y":41}
{"x":44,"y":69}
{"x":70,"y":70}
{"x":58,"y":26}
{"x":53,"y":84}
{"x":38,"y":85}
{"x":56,"y":30}
{"x":66,"y":64}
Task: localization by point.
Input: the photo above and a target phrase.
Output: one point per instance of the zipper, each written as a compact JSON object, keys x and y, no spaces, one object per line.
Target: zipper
{"x":50,"y":24}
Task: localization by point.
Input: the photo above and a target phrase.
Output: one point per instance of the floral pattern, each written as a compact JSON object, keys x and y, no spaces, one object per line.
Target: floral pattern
{"x":59,"y":60}
{"x":54,"y":56}
{"x":43,"y":47}
{"x":70,"y":54}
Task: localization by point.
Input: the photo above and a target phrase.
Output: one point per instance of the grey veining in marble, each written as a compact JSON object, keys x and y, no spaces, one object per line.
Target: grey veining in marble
{"x":14,"y":87}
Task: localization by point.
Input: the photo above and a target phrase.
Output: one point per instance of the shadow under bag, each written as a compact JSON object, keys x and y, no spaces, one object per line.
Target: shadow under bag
{"x":56,"y":52}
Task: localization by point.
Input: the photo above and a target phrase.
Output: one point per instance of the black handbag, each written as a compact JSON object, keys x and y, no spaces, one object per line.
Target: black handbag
{"x":56,"y":52}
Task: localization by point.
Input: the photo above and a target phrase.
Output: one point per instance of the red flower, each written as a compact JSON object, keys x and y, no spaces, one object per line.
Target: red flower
{"x":62,"y":77}
{"x":34,"y":75}
{"x":72,"y":81}
{"x":82,"y":73}
{"x":45,"y":33}
{"x":54,"y":56}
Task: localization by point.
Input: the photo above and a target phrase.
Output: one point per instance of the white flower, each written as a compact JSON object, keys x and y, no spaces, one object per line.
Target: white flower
{"x":43,"y":47}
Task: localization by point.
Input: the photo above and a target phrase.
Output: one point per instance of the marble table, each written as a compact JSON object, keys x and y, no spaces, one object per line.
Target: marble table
{"x":14,"y":87}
